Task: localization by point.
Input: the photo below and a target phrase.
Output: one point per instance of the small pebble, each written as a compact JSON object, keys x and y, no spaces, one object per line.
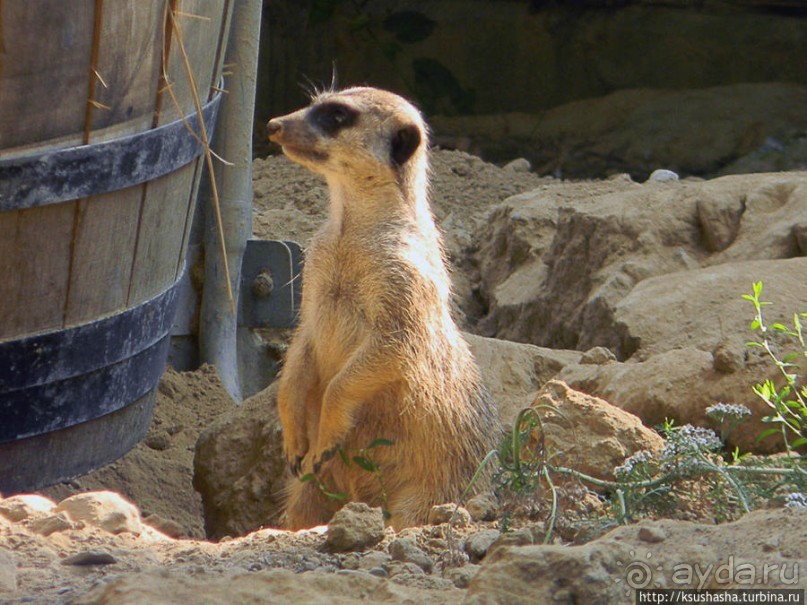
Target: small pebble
{"x":355,"y":527}
{"x":662,"y":176}
{"x":598,"y":356}
{"x":53,"y":524}
{"x":478,"y":544}
{"x":405,"y":550}
{"x":462,"y":576}
{"x":483,"y":507}
{"x":443,"y":513}
{"x":518,"y":165}
{"x":652,"y":534}
{"x":158,"y":442}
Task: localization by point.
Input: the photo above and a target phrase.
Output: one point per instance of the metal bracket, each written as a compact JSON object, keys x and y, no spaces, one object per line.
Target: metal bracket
{"x":271,"y":284}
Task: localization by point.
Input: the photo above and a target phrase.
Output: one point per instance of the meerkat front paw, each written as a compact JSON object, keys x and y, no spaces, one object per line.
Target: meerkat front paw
{"x":320,"y":458}
{"x":295,"y":451}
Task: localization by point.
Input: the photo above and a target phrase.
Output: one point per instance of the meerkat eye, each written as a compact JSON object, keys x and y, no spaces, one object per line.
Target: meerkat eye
{"x":333,"y":117}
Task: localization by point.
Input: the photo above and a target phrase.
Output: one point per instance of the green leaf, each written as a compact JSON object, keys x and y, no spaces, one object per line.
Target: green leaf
{"x":767,"y":433}
{"x":307,"y":477}
{"x":343,"y":456}
{"x":780,"y":327}
{"x":799,"y":442}
{"x":377,"y":442}
{"x":366,"y":464}
{"x":755,"y":325}
{"x":757,"y":287}
{"x":335,"y":495}
{"x":748,"y":297}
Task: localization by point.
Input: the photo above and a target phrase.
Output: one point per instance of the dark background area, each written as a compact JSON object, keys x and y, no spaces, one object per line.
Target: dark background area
{"x":463,"y":58}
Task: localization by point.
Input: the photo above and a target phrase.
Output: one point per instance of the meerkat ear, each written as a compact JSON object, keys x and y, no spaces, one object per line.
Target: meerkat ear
{"x":405,"y":141}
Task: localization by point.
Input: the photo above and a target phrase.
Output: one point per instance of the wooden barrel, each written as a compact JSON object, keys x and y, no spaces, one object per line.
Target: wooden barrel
{"x":98,"y":177}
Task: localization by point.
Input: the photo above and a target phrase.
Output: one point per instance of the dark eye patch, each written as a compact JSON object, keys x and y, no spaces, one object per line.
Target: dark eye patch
{"x":331,"y":117}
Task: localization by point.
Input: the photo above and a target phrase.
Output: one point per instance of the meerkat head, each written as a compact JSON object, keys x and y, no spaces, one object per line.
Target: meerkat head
{"x":359,"y":134}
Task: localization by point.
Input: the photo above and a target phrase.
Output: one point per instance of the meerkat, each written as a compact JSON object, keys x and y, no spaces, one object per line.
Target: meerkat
{"x":376,"y":354}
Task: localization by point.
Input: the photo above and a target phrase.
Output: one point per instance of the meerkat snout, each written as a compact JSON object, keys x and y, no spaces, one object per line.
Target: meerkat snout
{"x":273,"y":127}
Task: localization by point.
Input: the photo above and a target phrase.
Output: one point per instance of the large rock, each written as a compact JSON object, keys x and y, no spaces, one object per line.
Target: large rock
{"x":108,"y":510}
{"x":654,"y":554}
{"x":646,"y":271}
{"x":239,"y":468}
{"x":26,"y":507}
{"x":514,"y":372}
{"x":704,"y":308}
{"x":556,"y":262}
{"x":589,"y":434}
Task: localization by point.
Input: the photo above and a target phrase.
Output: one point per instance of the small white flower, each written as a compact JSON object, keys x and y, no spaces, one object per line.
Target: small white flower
{"x":796,"y":500}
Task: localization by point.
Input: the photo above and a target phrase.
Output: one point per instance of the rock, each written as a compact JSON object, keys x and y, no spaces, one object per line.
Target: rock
{"x":25,"y":506}
{"x":560,"y":274}
{"x":373,"y":559}
{"x":520,"y":537}
{"x":107,"y":510}
{"x":354,"y":527}
{"x":483,"y":507}
{"x":239,"y":468}
{"x":90,"y":557}
{"x":478,"y":543}
{"x":710,"y":310}
{"x":159,"y":442}
{"x":513,"y":372}
{"x":653,"y":535}
{"x":8,"y":572}
{"x":661,"y":175}
{"x":462,"y":576}
{"x":45,"y":526}
{"x":597,"y":356}
{"x":518,"y":165}
{"x":729,"y":357}
{"x":719,"y":217}
{"x":449,"y":513}
{"x":404,"y":568}
{"x":550,"y":574}
{"x":589,"y":434}
{"x":167,"y":526}
{"x":405,"y":550}
{"x":652,"y":390}
{"x":605,"y":570}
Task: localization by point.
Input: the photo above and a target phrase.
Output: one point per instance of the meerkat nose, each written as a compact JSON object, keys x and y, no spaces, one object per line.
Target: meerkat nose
{"x":274,"y":127}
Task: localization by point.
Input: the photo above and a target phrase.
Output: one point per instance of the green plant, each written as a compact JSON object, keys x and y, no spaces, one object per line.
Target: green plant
{"x":788,"y":404}
{"x":364,"y":460}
